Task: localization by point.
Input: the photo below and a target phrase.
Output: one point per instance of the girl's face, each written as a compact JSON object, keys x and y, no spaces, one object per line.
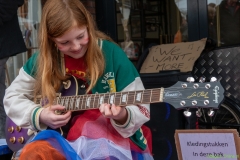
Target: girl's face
{"x":74,"y":42}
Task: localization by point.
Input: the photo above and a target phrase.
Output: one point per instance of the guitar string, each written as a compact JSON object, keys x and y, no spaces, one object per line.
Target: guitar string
{"x":153,"y":93}
{"x":83,"y":101}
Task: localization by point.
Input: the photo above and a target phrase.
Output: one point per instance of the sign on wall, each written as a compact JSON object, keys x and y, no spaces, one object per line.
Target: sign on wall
{"x":207,"y":144}
{"x":176,"y":56}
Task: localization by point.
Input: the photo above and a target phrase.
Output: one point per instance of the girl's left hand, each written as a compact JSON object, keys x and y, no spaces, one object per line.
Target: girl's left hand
{"x":118,"y":113}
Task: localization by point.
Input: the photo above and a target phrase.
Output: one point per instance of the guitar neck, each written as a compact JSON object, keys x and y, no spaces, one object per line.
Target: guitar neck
{"x":93,"y":101}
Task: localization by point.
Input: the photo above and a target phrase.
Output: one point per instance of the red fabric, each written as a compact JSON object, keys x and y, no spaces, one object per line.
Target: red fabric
{"x":93,"y":125}
{"x":75,"y":67}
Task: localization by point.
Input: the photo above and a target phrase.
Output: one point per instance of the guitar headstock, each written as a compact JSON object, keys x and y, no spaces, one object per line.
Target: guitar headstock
{"x":185,"y":95}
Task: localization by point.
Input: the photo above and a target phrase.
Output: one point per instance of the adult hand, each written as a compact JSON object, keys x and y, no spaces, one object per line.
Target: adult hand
{"x":118,"y":113}
{"x":53,"y":120}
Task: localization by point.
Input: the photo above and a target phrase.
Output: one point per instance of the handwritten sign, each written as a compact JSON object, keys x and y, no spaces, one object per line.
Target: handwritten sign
{"x":177,"y":56}
{"x":207,"y":144}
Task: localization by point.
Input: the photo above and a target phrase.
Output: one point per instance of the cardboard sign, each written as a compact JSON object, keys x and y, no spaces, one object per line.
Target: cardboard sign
{"x":177,"y":56}
{"x":207,"y":144}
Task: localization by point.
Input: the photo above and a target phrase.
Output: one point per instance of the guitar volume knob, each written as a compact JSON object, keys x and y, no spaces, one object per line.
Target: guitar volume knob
{"x":11,"y":129}
{"x":21,"y":140}
{"x":67,"y":84}
{"x":18,"y":128}
{"x":12,"y":139}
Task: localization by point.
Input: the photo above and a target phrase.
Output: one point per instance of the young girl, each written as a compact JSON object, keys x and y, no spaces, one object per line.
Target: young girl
{"x":70,"y":44}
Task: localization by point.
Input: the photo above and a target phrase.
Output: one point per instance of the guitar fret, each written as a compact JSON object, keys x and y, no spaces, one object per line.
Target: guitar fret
{"x":96,"y":101}
{"x":130,"y":98}
{"x":85,"y":102}
{"x":112,"y":98}
{"x":88,"y":99}
{"x":93,"y":104}
{"x":134,"y":97}
{"x":117,"y":98}
{"x":139,"y":96}
{"x":66,"y":102}
{"x":146,"y":96}
{"x":82,"y":101}
{"x":120,"y":100}
{"x":60,"y":101}
{"x":77,"y":103}
{"x":71,"y":103}
{"x":106,"y":98}
{"x":124,"y":98}
{"x":101,"y":99}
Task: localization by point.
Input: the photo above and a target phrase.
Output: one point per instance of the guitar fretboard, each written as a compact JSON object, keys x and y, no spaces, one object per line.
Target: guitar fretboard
{"x":93,"y":101}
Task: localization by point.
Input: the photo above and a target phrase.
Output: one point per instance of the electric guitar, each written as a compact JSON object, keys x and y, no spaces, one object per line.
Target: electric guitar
{"x":182,"y":95}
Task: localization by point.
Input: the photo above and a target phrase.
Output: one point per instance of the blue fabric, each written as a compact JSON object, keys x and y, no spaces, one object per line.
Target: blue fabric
{"x":4,"y":150}
{"x":58,"y":142}
{"x":137,"y":156}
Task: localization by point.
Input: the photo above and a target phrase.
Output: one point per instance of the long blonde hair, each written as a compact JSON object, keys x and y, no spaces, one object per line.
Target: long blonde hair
{"x":58,"y":16}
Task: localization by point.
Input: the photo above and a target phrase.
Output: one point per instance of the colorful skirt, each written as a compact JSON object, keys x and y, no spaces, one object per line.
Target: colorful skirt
{"x":91,"y":137}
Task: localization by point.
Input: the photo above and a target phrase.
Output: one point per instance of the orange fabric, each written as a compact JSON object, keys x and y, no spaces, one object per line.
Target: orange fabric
{"x":178,"y":37}
{"x":40,"y":150}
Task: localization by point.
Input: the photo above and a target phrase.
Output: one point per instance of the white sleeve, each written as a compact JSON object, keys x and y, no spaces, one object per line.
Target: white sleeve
{"x":137,"y":115}
{"x":18,"y":102}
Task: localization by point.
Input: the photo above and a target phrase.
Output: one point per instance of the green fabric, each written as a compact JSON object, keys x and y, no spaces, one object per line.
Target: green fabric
{"x":139,"y":139}
{"x":118,"y":68}
{"x":30,"y":66}
{"x":34,"y":117}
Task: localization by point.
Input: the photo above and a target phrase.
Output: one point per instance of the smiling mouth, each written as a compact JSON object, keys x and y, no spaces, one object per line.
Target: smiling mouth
{"x":76,"y":51}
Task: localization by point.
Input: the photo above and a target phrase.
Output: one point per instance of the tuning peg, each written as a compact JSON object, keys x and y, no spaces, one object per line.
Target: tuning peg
{"x":194,"y":102}
{"x":213,"y":79}
{"x":211,"y":113}
{"x":202,"y":79}
{"x":182,"y":103}
{"x":190,"y":79}
{"x":198,"y":112}
{"x":207,"y":86}
{"x":184,"y":85}
{"x":196,"y":86}
{"x":206,"y":102}
{"x":187,"y":113}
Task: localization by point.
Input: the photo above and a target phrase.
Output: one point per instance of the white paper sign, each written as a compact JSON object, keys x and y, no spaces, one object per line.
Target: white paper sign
{"x":207,"y":146}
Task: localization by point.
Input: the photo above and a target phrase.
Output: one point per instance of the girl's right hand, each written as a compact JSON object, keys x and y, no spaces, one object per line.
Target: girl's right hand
{"x":51,"y":119}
